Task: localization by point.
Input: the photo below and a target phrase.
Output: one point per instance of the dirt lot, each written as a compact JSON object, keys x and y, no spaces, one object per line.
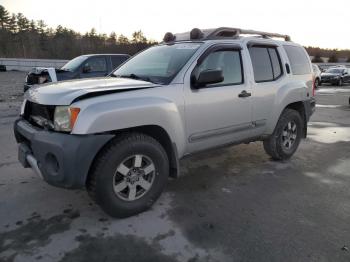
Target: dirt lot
{"x":232,"y":204}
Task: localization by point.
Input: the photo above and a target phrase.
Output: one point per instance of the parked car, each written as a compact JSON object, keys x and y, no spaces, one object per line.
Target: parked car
{"x":336,"y":76}
{"x":123,"y":135}
{"x":84,"y":66}
{"x":317,"y":75}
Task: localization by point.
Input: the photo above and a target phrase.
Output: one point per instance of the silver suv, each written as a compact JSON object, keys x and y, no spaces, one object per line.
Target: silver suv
{"x":122,"y":136}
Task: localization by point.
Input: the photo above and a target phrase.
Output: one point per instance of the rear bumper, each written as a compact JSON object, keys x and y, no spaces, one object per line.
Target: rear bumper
{"x":310,"y":106}
{"x":62,"y":160}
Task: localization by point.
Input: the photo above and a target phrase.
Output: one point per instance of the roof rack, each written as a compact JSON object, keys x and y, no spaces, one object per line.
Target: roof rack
{"x":219,"y":33}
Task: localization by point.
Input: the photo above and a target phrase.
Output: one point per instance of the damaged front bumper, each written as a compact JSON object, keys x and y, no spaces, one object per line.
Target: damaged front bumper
{"x":60,"y":159}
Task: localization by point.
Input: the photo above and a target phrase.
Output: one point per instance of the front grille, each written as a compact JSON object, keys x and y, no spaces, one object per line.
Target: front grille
{"x":34,"y":111}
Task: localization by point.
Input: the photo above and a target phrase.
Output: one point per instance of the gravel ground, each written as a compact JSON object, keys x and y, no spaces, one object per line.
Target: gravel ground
{"x":232,"y":204}
{"x":11,"y":86}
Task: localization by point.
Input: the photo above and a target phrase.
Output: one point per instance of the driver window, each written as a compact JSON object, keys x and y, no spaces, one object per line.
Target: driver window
{"x":96,"y":64}
{"x":229,"y":61}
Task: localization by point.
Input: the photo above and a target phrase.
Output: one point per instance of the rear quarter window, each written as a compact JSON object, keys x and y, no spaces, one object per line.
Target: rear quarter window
{"x":299,"y":61}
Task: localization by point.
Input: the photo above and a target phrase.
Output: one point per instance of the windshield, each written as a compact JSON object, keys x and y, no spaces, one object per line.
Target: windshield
{"x":73,"y":64}
{"x":335,"y":71}
{"x":158,"y":64}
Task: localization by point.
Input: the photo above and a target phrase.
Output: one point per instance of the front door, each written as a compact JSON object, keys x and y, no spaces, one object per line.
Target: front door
{"x":94,"y":67}
{"x":218,"y":113}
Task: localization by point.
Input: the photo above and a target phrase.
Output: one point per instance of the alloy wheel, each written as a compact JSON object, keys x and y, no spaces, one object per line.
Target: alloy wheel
{"x":134,"y":177}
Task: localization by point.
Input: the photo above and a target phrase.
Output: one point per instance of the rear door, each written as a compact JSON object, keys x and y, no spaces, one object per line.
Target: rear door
{"x":267,"y":79}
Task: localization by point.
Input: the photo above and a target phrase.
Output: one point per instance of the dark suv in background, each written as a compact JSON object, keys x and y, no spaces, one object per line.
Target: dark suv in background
{"x":84,"y":66}
{"x":336,"y":76}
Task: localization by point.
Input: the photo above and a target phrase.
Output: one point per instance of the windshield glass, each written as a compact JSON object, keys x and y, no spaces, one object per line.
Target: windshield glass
{"x":158,"y":64}
{"x":335,"y":71}
{"x":73,"y":64}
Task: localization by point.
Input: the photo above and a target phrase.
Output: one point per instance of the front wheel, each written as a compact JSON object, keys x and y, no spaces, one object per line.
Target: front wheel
{"x":128,"y":175}
{"x":284,"y":141}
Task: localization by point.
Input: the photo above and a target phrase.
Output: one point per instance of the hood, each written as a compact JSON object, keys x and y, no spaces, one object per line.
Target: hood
{"x":65,"y":92}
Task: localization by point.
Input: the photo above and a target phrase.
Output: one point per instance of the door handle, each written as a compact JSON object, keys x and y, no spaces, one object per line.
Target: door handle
{"x":244,"y":94}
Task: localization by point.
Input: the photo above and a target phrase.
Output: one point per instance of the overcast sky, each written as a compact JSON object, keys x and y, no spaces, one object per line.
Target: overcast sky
{"x":309,"y":22}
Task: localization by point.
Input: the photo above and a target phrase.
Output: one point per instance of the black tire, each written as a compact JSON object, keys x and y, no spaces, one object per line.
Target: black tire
{"x":274,"y":144}
{"x":102,"y":175}
{"x":340,"y":82}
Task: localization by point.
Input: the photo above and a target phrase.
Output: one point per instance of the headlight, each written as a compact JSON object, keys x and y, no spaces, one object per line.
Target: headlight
{"x":65,"y":117}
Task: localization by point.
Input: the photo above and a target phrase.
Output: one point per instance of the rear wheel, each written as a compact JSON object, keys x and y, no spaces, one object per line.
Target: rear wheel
{"x":129,"y":175}
{"x":340,"y":82}
{"x":284,"y":141}
{"x":317,"y":83}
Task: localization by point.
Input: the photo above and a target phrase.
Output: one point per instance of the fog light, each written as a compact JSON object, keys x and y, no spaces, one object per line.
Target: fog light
{"x":52,"y":165}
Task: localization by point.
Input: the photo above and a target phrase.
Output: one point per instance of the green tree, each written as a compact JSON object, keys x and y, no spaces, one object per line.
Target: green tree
{"x":4,"y":17}
{"x":41,"y":26}
{"x":333,"y":58}
{"x":112,"y":39}
{"x":92,"y":32}
{"x":138,"y":37}
{"x":22,"y":23}
{"x":12,"y":24}
{"x":317,"y":58}
{"x":32,"y":26}
{"x":123,"y":40}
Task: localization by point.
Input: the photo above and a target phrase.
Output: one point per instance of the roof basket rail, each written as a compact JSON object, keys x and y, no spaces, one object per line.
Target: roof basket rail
{"x":219,"y":33}
{"x":223,"y":32}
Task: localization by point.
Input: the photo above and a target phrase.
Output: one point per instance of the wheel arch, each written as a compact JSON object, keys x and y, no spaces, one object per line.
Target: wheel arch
{"x":154,"y":131}
{"x":301,"y":109}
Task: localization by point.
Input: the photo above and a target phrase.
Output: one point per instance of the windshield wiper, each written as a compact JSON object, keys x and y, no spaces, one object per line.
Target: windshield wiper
{"x":137,"y":77}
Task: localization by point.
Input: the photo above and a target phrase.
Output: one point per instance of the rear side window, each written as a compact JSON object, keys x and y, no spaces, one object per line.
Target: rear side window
{"x":276,"y":63}
{"x":266,"y":63}
{"x":298,"y":59}
{"x":118,"y":60}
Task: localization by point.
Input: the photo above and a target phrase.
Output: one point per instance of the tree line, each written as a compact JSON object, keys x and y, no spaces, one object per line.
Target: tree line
{"x":24,"y":38}
{"x":333,"y":54}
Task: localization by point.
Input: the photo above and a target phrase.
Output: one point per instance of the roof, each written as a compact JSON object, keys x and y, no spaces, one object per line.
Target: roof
{"x":106,"y":55}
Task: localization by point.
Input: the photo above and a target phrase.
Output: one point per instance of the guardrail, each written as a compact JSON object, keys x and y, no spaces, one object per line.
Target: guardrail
{"x":21,"y":64}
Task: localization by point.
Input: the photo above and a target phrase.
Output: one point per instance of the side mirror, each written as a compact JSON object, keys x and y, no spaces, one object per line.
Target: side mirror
{"x":86,"y":69}
{"x":207,"y":77}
